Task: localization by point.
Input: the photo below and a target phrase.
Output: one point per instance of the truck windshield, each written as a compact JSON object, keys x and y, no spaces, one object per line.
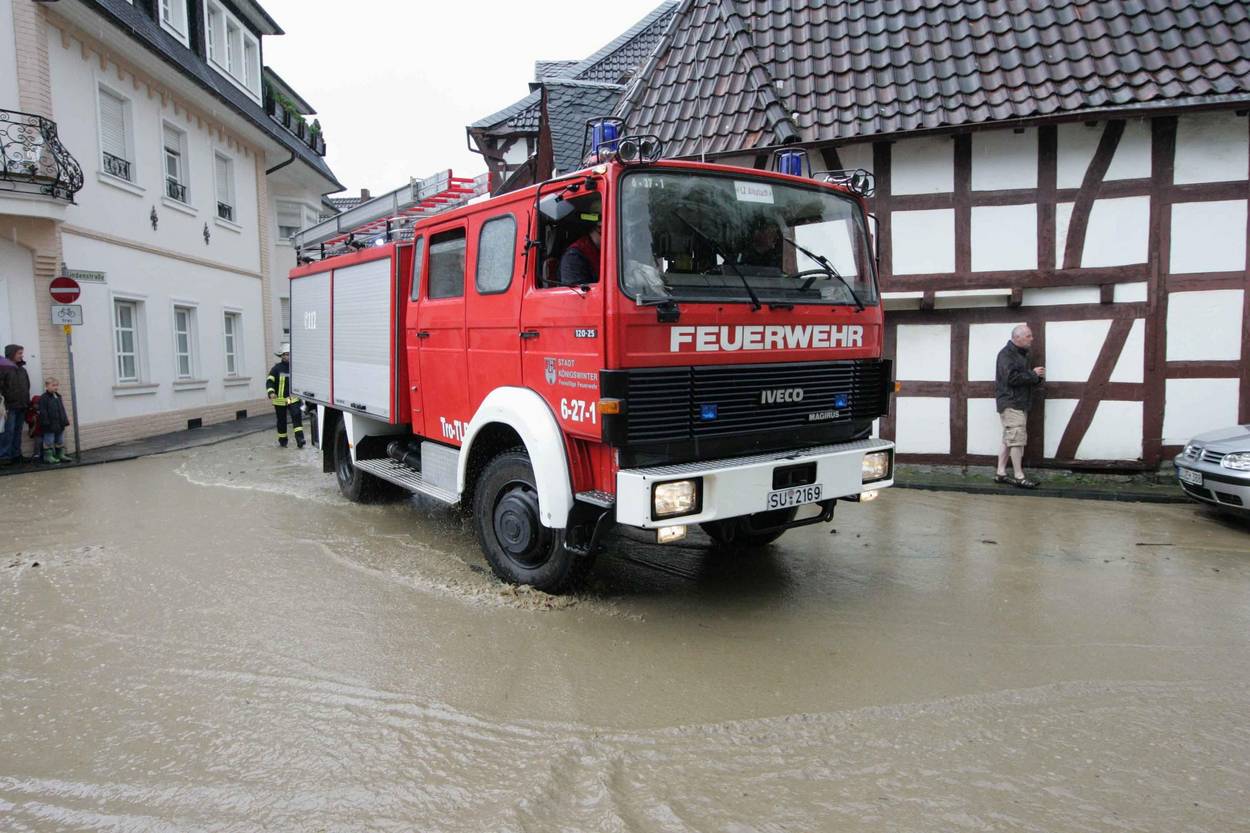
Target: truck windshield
{"x":713,"y":237}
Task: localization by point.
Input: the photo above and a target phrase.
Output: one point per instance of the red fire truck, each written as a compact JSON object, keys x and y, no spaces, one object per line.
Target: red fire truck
{"x":720,"y":364}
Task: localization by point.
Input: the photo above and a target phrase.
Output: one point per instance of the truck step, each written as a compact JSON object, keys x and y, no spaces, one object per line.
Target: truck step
{"x":596,"y":498}
{"x":393,"y":471}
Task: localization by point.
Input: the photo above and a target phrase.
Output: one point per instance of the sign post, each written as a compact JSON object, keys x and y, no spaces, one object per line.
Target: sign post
{"x":65,"y":292}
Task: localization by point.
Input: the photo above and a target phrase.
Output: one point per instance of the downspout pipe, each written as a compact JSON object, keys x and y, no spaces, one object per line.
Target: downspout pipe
{"x":282,"y":165}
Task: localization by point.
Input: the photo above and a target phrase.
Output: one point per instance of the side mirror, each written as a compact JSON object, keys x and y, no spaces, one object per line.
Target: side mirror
{"x":554,"y":207}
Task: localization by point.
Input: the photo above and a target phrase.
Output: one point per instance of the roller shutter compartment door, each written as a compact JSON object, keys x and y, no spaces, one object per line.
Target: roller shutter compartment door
{"x":363,"y":341}
{"x":310,"y":337}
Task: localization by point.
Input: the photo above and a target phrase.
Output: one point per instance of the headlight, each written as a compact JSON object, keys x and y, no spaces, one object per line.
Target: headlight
{"x":1237,"y":461}
{"x":876,"y":466}
{"x":677,"y":497}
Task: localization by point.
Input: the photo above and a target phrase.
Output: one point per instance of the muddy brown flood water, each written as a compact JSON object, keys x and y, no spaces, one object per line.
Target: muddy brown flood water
{"x":215,"y":640}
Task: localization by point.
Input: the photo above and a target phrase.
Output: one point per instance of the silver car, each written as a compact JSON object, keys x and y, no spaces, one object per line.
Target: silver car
{"x":1214,"y":468}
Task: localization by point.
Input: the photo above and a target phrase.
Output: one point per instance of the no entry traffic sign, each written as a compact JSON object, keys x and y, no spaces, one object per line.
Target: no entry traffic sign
{"x":64,"y":290}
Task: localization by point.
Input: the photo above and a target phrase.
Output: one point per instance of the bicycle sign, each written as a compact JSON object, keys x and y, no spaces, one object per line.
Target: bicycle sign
{"x":67,"y":314}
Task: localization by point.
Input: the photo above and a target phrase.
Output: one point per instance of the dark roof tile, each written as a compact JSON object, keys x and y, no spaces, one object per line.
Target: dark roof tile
{"x":877,"y":66}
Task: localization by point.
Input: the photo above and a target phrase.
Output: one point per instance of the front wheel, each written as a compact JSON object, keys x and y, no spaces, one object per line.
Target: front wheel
{"x":750,"y":531}
{"x":519,"y":548}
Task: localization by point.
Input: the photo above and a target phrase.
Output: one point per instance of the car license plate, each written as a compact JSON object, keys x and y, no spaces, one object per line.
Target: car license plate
{"x":1193,"y":478}
{"x":796,"y":496}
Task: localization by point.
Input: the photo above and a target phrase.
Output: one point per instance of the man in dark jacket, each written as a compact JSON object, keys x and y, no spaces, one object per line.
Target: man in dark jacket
{"x":1014,"y":382}
{"x":285,"y":403}
{"x":15,"y":389}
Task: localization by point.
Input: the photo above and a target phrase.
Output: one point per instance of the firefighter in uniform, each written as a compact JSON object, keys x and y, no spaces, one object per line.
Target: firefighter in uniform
{"x":284,"y":402}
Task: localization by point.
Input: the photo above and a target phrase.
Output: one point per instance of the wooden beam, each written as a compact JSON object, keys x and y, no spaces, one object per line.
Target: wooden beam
{"x":963,"y":204}
{"x":1099,"y":377}
{"x":885,"y":239}
{"x":1074,"y":247}
{"x":1047,"y":177}
{"x":1162,"y":161}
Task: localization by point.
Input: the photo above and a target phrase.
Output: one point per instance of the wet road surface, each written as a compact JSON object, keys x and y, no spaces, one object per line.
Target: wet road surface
{"x":215,"y":640}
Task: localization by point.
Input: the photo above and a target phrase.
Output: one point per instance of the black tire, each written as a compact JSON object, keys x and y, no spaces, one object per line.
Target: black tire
{"x":519,"y":548}
{"x":740,"y":532}
{"x":356,"y":485}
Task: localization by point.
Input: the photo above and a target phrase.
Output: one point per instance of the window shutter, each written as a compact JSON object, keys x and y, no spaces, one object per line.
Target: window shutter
{"x":171,"y":140}
{"x":113,"y":125}
{"x":223,"y":180}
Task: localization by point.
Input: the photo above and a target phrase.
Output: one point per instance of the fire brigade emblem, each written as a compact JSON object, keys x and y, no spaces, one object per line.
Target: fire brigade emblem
{"x":550,"y":373}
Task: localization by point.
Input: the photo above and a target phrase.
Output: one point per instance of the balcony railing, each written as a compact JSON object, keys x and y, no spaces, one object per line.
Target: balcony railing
{"x":117,"y":167}
{"x":33,"y":160}
{"x":175,"y":190}
{"x":225,"y":211}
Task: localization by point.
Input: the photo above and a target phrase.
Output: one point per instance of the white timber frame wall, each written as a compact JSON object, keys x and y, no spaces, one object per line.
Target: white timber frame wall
{"x":1122,"y":243}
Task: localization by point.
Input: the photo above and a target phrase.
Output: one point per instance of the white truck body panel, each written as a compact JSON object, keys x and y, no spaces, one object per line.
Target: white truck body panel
{"x":363,"y":337}
{"x":310,"y":337}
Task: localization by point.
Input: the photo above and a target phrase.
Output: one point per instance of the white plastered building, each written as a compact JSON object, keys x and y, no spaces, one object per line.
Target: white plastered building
{"x":164,"y":165}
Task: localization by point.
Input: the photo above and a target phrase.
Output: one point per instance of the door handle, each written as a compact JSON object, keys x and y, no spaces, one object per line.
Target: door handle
{"x":529,"y":333}
{"x":423,"y":333}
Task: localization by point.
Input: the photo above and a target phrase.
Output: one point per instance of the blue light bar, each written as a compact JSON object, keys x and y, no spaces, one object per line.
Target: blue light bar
{"x":791,"y":162}
{"x":604,"y":135}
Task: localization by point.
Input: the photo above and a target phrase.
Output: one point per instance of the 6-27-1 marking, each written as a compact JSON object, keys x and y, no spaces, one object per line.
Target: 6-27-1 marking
{"x":576,"y":410}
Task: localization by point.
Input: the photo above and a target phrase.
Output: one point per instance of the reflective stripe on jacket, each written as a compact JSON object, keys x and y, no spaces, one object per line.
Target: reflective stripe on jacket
{"x":279,"y":385}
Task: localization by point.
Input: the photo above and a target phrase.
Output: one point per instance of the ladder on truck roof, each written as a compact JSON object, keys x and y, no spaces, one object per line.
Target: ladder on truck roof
{"x":389,"y":215}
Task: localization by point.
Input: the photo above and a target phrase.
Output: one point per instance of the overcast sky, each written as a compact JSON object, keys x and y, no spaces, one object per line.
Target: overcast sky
{"x":394,"y":82}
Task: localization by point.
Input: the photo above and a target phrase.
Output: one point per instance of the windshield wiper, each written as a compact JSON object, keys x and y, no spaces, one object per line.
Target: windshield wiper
{"x":828,"y":267}
{"x":755,"y":301}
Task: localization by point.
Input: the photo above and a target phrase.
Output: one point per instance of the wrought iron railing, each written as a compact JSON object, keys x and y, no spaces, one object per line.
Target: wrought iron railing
{"x":225,"y":211}
{"x":175,"y":190}
{"x":33,"y":160}
{"x":116,"y":166}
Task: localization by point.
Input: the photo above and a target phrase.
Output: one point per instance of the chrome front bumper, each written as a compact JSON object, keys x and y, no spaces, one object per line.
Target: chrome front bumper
{"x":740,"y":486}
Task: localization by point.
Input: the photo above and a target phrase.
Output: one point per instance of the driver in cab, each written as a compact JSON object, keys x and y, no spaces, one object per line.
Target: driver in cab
{"x":580,"y":262}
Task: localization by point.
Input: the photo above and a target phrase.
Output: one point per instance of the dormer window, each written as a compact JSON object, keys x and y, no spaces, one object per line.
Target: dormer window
{"x":174,"y":18}
{"x":232,"y":49}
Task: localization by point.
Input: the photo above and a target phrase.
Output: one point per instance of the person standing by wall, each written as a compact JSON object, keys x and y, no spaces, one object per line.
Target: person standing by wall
{"x":1014,"y":382}
{"x":284,"y":402}
{"x":52,"y":423}
{"x":15,"y":389}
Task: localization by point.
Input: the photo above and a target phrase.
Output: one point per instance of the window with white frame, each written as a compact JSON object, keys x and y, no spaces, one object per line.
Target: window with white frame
{"x":184,"y":342}
{"x":286,"y":315}
{"x":115,"y":144}
{"x":293,"y":216}
{"x":174,"y":144}
{"x":174,"y":17}
{"x":234,"y":340}
{"x":223,"y":175}
{"x":232,"y":49}
{"x":126,"y":340}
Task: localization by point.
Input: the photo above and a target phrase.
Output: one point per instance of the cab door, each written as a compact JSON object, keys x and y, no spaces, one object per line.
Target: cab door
{"x":493,"y":306}
{"x":440,"y":336}
{"x":562,"y":348}
{"x":412,"y":344}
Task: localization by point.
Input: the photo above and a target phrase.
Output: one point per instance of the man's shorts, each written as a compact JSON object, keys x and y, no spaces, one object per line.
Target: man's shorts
{"x":1014,"y":432}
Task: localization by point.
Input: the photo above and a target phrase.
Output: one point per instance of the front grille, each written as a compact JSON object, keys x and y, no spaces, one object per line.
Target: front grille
{"x":1209,"y":456}
{"x":1198,"y":491}
{"x":685,"y":403}
{"x":1230,"y":499}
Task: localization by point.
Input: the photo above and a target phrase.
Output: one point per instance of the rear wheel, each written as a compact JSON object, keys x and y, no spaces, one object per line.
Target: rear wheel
{"x":519,"y":548}
{"x":752,"y":530}
{"x":355,"y":484}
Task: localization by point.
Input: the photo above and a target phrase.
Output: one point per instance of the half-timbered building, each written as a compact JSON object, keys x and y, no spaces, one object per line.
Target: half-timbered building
{"x":1077,"y":166}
